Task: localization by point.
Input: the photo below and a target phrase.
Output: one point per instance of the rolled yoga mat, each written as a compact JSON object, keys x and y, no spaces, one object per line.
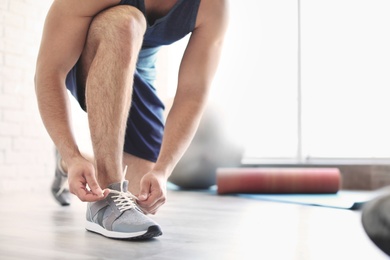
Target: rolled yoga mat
{"x":278,"y":180}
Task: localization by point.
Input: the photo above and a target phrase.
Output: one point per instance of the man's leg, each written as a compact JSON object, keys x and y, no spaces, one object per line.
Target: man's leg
{"x":107,"y":67}
{"x":137,"y":168}
{"x":101,"y":28}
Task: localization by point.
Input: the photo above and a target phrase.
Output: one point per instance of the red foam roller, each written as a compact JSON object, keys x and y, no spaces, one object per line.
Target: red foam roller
{"x":278,"y":180}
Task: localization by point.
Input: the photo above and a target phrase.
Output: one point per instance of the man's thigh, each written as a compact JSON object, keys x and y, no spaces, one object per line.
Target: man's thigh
{"x":119,"y":25}
{"x":111,"y":24}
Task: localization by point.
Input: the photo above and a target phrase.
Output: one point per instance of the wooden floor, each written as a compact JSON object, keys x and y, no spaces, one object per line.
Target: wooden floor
{"x":196,"y":225}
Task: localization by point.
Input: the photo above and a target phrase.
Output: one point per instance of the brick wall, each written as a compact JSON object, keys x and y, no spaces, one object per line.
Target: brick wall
{"x":26,"y":152}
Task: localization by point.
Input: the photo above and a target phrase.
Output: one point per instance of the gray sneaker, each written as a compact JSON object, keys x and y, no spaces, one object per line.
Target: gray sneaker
{"x":59,"y":187}
{"x":119,"y":217}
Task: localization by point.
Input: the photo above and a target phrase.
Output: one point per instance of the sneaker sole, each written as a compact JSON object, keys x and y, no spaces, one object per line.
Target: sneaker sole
{"x":151,"y":232}
{"x":62,"y":201}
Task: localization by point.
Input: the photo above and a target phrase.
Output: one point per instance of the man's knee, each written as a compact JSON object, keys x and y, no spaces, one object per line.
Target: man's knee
{"x":121,"y":25}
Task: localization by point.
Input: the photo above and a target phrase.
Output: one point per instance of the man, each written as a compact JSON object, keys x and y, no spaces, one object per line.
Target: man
{"x":103,"y":52}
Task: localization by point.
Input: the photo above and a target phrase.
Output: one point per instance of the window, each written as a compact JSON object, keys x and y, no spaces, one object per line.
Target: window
{"x":305,"y":80}
{"x":345,"y":78}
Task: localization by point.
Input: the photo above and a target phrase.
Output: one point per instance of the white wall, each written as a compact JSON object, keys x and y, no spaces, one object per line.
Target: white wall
{"x":26,"y":152}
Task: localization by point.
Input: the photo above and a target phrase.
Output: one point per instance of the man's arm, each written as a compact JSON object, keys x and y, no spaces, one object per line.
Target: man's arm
{"x":62,"y":42}
{"x":196,"y":73}
{"x":197,"y":70}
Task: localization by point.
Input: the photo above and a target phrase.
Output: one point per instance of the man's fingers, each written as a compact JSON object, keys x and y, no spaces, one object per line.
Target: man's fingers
{"x":144,"y":190}
{"x":83,"y":182}
{"x":155,"y":200}
{"x":93,"y":185}
{"x":86,"y":195}
{"x":153,"y":209}
{"x":151,"y":195}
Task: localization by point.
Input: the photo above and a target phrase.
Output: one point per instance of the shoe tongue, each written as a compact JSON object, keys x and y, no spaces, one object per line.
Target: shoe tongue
{"x":117,"y":186}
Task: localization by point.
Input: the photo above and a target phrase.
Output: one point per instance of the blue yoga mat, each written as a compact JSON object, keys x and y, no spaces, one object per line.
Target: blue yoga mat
{"x":344,"y":199}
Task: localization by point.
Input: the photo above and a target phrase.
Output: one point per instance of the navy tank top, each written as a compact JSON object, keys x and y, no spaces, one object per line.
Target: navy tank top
{"x":166,"y":30}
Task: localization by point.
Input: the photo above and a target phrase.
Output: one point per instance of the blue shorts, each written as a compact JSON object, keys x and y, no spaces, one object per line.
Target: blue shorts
{"x":145,"y":125}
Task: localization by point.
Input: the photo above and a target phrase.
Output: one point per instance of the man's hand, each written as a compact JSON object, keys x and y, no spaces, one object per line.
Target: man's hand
{"x":152,"y":192}
{"x":81,"y":173}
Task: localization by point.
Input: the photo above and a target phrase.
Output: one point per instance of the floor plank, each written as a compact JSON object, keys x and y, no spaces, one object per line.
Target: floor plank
{"x":196,"y":225}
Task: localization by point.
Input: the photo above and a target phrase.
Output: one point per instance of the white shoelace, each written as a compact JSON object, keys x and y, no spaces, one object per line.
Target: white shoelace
{"x":124,"y":200}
